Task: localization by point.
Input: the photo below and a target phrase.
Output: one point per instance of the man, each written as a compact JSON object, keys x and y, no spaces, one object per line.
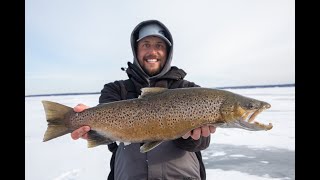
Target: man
{"x":152,"y":47}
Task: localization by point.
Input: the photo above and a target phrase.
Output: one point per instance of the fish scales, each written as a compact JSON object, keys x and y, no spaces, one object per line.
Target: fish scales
{"x":161,"y":114}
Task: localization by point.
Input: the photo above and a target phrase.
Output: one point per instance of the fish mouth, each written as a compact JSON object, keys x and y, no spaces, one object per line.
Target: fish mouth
{"x":248,"y":120}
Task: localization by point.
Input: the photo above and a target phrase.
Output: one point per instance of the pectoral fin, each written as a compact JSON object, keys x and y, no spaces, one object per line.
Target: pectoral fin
{"x":149,"y":145}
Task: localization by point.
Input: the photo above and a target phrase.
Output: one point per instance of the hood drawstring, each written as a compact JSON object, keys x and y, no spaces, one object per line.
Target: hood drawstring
{"x":123,"y":68}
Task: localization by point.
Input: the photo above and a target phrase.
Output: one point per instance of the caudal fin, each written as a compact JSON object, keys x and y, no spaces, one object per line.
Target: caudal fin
{"x":55,"y":117}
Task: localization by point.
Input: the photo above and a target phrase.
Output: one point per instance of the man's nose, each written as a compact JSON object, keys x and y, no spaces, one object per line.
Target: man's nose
{"x":152,"y":50}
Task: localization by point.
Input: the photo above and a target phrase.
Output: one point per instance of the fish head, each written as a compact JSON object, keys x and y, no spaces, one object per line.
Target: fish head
{"x":240,"y":111}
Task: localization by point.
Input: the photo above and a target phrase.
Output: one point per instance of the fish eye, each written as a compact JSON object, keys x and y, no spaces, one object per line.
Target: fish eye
{"x":250,"y":105}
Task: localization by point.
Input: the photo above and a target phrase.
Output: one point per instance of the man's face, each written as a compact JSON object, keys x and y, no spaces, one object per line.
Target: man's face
{"x":152,"y":54}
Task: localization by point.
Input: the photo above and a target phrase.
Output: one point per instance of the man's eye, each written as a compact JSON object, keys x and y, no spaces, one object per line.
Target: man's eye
{"x":146,"y":45}
{"x":159,"y":46}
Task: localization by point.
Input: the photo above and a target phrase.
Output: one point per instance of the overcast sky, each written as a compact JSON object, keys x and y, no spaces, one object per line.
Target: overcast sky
{"x":80,"y":45}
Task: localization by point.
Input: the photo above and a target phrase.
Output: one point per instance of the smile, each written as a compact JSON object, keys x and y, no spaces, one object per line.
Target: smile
{"x":152,"y":60}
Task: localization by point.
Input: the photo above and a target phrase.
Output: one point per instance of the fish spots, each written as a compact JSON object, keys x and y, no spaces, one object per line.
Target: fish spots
{"x":171,"y":122}
{"x":130,"y":123}
{"x":144,"y":121}
{"x":161,"y":124}
{"x":148,"y":132}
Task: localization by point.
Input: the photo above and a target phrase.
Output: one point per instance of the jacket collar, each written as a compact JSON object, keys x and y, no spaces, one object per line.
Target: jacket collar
{"x":138,"y":75}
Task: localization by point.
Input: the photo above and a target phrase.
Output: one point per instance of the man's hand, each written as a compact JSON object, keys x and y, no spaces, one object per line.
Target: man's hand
{"x":201,"y":131}
{"x":82,"y":131}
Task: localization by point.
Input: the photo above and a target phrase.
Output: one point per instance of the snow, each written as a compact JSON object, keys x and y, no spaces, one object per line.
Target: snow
{"x":233,"y":153}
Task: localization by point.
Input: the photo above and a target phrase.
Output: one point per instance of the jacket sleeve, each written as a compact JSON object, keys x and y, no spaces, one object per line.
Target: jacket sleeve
{"x":190,"y":144}
{"x":110,"y":92}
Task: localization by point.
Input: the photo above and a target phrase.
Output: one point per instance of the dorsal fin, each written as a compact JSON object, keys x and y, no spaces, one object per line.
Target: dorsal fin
{"x":149,"y":91}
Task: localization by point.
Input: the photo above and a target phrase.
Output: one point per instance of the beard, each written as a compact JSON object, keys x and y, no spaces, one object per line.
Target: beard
{"x":152,"y":72}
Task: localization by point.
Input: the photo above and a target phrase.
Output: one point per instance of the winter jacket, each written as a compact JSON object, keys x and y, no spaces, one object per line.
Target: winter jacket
{"x":176,"y":159}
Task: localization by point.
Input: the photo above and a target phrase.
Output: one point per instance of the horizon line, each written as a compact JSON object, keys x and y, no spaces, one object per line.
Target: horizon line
{"x":225,"y":87}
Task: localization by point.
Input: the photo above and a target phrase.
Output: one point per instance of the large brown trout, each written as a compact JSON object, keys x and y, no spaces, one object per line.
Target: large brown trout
{"x":158,"y":115}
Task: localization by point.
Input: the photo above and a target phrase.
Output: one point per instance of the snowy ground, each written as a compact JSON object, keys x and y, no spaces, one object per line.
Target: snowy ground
{"x":233,"y":153}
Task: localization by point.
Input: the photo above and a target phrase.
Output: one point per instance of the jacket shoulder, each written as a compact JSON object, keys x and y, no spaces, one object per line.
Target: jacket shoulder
{"x":112,"y":92}
{"x":181,"y":83}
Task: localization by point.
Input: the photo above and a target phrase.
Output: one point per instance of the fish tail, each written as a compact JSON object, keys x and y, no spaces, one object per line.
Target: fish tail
{"x":55,"y":114}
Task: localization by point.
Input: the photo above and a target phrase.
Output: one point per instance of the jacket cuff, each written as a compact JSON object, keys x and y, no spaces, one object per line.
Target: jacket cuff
{"x":192,"y":145}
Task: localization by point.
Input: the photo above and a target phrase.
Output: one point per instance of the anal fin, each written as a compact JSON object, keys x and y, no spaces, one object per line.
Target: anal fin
{"x":149,"y":146}
{"x":96,"y":139}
